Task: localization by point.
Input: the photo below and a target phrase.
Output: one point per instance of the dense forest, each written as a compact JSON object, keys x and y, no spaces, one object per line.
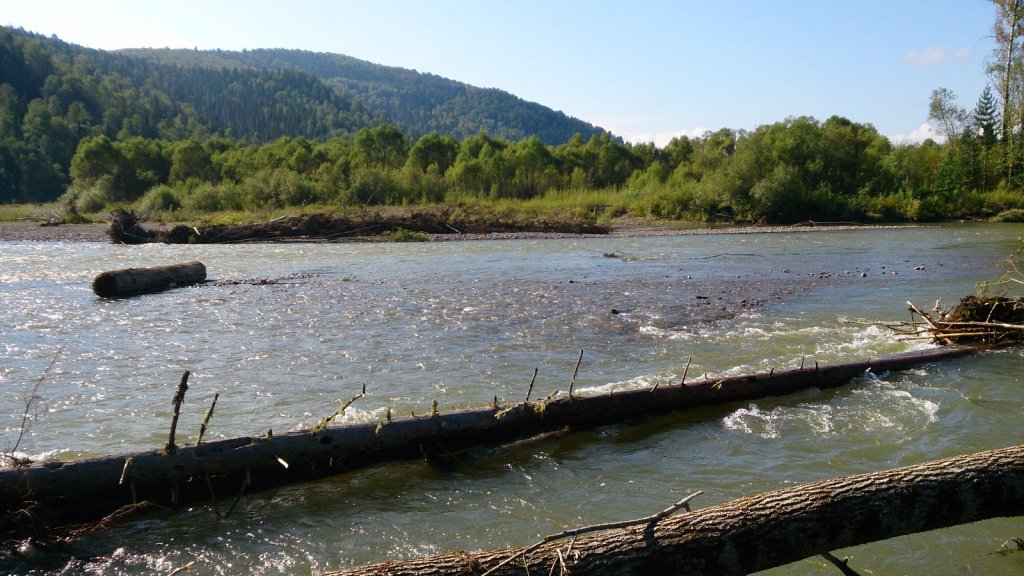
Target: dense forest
{"x":184,"y":133}
{"x":415,"y":103}
{"x":54,"y":94}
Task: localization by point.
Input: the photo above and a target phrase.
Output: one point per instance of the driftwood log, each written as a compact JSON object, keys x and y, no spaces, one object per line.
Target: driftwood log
{"x":90,"y":488}
{"x":133,"y":281}
{"x":767,"y":530}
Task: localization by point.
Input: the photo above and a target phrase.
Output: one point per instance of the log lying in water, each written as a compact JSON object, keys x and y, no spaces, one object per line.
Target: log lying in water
{"x":766,"y":530}
{"x":90,"y":488}
{"x":132,"y":281}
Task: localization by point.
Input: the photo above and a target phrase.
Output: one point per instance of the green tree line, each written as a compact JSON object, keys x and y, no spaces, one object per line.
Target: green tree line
{"x":795,"y":170}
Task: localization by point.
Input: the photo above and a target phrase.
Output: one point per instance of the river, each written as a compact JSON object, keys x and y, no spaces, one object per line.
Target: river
{"x":287,"y":332}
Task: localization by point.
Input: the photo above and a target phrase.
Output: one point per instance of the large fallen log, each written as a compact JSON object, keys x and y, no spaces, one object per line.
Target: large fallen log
{"x":766,"y":530}
{"x":133,"y":281}
{"x":91,"y":488}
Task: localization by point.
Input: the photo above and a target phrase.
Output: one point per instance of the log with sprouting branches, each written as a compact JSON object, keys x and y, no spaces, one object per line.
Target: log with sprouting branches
{"x":83,"y":490}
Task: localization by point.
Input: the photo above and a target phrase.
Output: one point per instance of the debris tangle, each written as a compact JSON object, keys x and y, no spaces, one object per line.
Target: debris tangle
{"x":992,"y":320}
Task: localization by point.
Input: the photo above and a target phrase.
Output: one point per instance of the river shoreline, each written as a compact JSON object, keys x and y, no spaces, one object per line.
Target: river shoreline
{"x":34,"y":232}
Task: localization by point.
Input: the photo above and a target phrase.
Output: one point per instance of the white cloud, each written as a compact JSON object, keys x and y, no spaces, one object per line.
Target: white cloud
{"x":643,"y":130}
{"x":963,"y":55}
{"x":917,"y":136}
{"x":660,"y":139}
{"x":929,"y":57}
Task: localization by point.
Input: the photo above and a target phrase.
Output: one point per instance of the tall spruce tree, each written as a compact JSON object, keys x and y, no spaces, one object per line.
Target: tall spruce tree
{"x":986,"y":118}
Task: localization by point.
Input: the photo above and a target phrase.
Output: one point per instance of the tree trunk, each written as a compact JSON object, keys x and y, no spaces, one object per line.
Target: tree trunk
{"x":132,"y":281}
{"x":93,"y":487}
{"x":770,"y":529}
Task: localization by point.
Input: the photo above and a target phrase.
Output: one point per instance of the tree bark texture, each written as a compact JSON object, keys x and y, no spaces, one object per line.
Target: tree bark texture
{"x":93,"y":487}
{"x":132,"y":281}
{"x":770,"y":529}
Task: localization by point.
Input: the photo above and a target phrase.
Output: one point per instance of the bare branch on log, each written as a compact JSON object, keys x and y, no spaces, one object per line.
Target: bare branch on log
{"x":179,"y":397}
{"x":30,"y":401}
{"x":685,"y":370}
{"x":206,"y":419}
{"x":575,"y":532}
{"x":322,"y":425}
{"x":843,"y":565}
{"x":530,"y":389}
{"x":574,"y":372}
{"x":245,"y":484}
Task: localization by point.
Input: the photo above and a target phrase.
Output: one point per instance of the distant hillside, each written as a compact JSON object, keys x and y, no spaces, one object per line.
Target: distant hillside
{"x":53,"y":94}
{"x":414,"y":102}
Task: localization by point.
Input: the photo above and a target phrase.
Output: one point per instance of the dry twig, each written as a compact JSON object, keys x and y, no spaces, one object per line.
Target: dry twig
{"x":574,"y":532}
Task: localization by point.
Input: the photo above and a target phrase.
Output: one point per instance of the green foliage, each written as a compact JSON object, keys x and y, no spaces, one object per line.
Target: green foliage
{"x":159,"y":199}
{"x":946,"y":113}
{"x":373,"y":187}
{"x":38,"y":212}
{"x":791,"y":171}
{"x":986,"y":118}
{"x":380,"y":147}
{"x":190,"y":161}
{"x":433,"y":150}
{"x":274,"y":189}
{"x":403,"y":235}
{"x":1013,"y":215}
{"x":91,"y":200}
{"x":889,"y":208}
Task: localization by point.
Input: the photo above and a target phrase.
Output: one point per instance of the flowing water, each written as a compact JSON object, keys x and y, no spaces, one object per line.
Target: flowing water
{"x":462,"y":322}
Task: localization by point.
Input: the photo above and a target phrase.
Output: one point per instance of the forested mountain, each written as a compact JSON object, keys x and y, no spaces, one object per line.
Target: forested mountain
{"x":54,"y":94}
{"x":416,"y":103}
{"x":183,"y":133}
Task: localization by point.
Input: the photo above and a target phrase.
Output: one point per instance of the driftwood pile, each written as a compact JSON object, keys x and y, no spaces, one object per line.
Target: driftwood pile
{"x":977,"y":320}
{"x":126,"y":227}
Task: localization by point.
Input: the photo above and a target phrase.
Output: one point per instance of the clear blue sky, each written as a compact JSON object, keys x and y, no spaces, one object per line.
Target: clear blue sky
{"x":644,"y":69}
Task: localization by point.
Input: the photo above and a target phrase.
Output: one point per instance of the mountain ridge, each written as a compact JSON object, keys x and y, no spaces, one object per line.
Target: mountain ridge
{"x":415,"y":102}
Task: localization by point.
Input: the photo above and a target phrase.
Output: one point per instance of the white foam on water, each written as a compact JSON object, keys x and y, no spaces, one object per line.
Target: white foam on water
{"x":645,"y":382}
{"x":753,"y":420}
{"x":656,"y":332}
{"x":873,"y":408}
